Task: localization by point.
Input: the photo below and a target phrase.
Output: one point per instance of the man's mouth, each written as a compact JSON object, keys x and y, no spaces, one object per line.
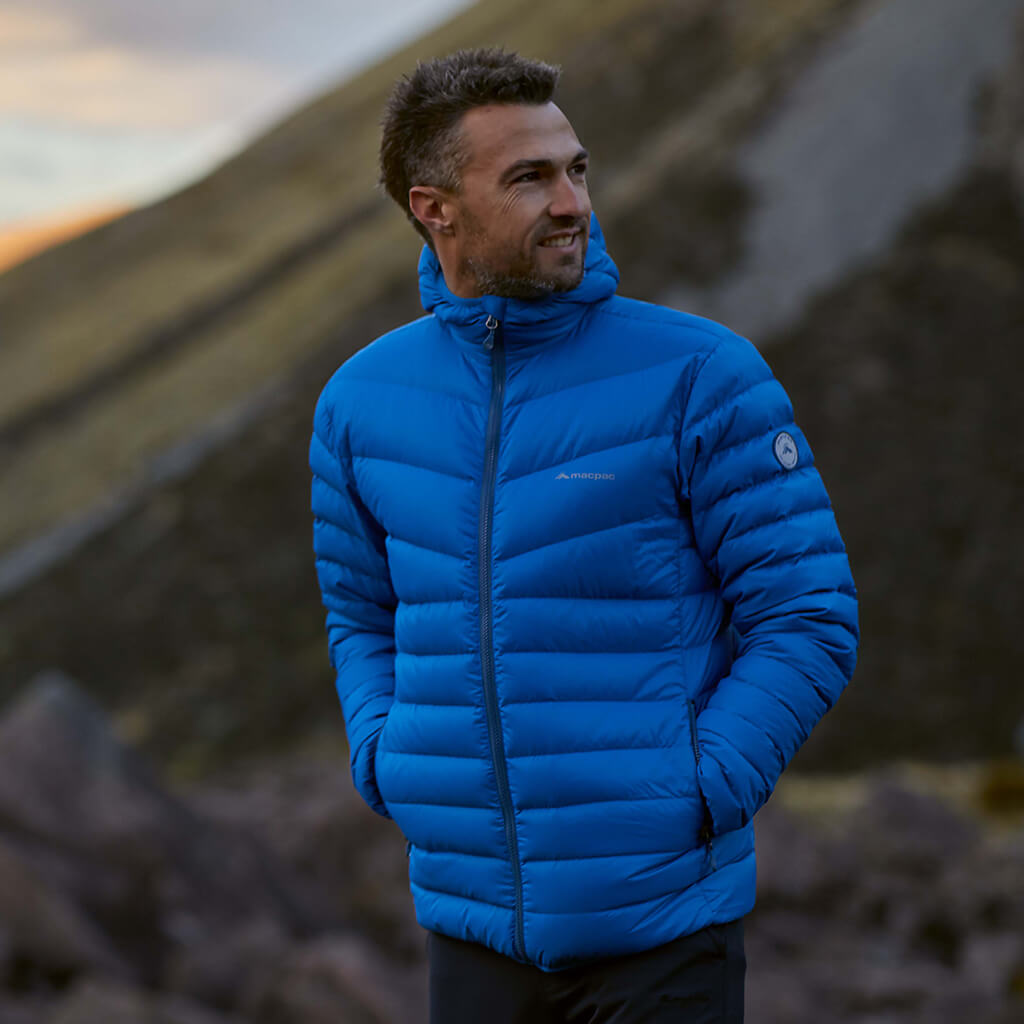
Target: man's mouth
{"x":560,"y":241}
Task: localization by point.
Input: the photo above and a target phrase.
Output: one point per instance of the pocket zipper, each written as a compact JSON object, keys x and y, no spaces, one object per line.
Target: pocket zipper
{"x":705,"y":828}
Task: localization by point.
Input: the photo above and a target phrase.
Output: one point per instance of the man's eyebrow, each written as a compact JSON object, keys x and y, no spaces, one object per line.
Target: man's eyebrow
{"x":539,"y":165}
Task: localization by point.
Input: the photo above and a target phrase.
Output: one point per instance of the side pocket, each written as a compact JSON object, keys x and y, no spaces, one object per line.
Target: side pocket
{"x":707,"y":827}
{"x":380,"y":749}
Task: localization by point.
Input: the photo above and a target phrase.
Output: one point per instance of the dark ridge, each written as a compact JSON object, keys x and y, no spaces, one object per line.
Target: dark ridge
{"x":205,"y":590}
{"x":906,"y":379}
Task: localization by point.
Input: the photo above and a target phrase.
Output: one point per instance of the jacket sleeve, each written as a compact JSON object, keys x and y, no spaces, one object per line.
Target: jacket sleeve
{"x":355,"y":585}
{"x":765,"y":530}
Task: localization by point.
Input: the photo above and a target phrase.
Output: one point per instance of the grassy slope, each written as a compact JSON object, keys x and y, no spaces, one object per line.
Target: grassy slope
{"x":197,"y":619}
{"x":131,"y":338}
{"x":88,"y":306}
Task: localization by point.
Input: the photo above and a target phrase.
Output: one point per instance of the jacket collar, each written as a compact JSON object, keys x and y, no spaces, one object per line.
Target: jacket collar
{"x":524,"y":321}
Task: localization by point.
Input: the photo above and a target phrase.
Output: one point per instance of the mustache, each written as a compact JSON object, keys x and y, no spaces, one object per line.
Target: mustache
{"x":557,"y":224}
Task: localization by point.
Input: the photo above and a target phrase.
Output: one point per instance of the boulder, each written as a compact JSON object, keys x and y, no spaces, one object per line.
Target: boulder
{"x":338,"y":978}
{"x":92,"y":1003}
{"x":907,"y":832}
{"x":217,"y":969}
{"x":131,"y":865}
{"x":30,"y":1010}
{"x":45,"y":935}
{"x":797,"y":867}
{"x":307,"y":812}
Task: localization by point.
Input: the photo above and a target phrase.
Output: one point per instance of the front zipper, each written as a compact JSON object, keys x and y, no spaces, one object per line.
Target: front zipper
{"x":494,"y":345}
{"x":705,"y":828}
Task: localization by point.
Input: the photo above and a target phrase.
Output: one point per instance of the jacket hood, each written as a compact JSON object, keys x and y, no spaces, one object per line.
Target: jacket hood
{"x":524,"y":321}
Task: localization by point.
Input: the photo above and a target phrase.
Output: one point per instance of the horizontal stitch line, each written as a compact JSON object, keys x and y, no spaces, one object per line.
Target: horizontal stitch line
{"x":413,"y":465}
{"x":610,"y":800}
{"x":809,"y":556}
{"x":333,"y":524}
{"x":593,"y":700}
{"x":461,"y":896}
{"x":432,"y":704}
{"x":422,"y":547}
{"x":774,"y":523}
{"x":598,"y":380}
{"x":760,"y":729}
{"x":461,"y":853}
{"x":432,"y":803}
{"x":436,"y":654}
{"x":327,"y":560}
{"x":777,"y":478}
{"x":658,"y":650}
{"x":443,"y":757}
{"x":597,"y":750}
{"x":669,"y":322}
{"x":764,"y":693}
{"x":416,"y":387}
{"x":578,"y":536}
{"x":581,"y":597}
{"x":731,"y":398}
{"x":319,"y":479}
{"x":760,"y":436}
{"x":756,"y":769}
{"x":608,"y":856}
{"x":507,"y":652}
{"x":620,"y":906}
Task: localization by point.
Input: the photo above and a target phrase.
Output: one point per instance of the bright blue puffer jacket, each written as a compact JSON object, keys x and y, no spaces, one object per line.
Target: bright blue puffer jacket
{"x":582,"y":581}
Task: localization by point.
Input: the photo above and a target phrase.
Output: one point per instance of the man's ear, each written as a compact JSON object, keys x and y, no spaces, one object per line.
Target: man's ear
{"x":432,"y":208}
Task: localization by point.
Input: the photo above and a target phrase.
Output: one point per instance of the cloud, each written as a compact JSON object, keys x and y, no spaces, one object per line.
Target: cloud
{"x":49,"y":70}
{"x":122,"y":100}
{"x":20,"y":28}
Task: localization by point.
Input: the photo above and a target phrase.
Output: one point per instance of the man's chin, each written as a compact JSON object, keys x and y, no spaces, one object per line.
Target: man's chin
{"x":532,"y":286}
{"x":569,"y":277}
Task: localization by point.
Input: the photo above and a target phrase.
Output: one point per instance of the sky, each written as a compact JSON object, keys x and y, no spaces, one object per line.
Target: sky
{"x":111,"y":102}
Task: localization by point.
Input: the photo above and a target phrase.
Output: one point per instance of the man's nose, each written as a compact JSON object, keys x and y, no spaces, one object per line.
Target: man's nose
{"x":570,"y":198}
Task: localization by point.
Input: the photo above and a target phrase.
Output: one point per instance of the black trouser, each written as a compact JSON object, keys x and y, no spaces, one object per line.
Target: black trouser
{"x":697,"y":979}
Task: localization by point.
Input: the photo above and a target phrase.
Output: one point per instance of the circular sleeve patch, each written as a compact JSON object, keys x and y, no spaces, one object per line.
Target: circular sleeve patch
{"x":785,"y":450}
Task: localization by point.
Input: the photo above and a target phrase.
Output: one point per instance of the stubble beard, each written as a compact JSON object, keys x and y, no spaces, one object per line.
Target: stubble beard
{"x":511,"y":275}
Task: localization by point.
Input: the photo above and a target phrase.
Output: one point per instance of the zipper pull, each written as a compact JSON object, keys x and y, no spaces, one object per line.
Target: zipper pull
{"x":492,"y":324}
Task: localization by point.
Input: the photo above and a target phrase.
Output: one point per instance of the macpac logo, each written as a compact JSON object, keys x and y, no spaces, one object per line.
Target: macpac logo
{"x":786,"y":450}
{"x":585,"y":476}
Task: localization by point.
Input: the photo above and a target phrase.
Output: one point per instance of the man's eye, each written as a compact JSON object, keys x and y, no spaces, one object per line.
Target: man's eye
{"x":580,"y":168}
{"x":528,"y":176}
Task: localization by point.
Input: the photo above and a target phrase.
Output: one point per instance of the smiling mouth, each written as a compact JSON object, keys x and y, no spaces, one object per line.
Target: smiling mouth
{"x":560,"y":241}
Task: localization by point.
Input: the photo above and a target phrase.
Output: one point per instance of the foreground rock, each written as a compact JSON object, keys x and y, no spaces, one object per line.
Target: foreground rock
{"x":338,"y":979}
{"x":905,"y":911}
{"x":92,"y":1003}
{"x":110,"y":884}
{"x":273,"y":896}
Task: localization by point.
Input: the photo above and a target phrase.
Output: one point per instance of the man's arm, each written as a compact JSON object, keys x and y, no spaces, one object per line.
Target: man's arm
{"x":765,"y":529}
{"x":355,"y":584}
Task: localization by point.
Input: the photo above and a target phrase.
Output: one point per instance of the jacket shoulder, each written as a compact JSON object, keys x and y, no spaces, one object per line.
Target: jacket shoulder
{"x":380,"y":357}
{"x":691,"y":334}
{"x":391,"y":357}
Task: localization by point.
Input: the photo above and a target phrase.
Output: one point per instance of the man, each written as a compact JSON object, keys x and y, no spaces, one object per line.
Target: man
{"x":586,"y":595}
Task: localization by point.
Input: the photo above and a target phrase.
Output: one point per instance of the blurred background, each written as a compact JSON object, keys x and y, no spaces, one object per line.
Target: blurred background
{"x":191,"y":241}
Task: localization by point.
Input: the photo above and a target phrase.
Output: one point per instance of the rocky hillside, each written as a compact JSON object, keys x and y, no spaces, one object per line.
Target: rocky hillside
{"x":273,"y":896}
{"x":157,"y":376}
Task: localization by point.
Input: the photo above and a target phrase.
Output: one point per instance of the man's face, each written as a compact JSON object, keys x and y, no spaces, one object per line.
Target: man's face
{"x":521,"y":220}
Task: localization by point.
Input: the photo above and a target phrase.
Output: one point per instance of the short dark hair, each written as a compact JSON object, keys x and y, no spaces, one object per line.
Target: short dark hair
{"x":420,"y":142}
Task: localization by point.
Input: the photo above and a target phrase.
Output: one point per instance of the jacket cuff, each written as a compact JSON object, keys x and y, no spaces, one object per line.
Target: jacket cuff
{"x":364,"y":775}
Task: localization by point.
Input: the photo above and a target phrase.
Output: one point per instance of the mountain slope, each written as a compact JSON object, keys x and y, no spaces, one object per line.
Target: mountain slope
{"x":127,"y":341}
{"x":194,"y":612}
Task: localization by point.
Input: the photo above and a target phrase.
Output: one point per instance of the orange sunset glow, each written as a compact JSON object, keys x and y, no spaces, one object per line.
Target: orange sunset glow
{"x":22,"y":240}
